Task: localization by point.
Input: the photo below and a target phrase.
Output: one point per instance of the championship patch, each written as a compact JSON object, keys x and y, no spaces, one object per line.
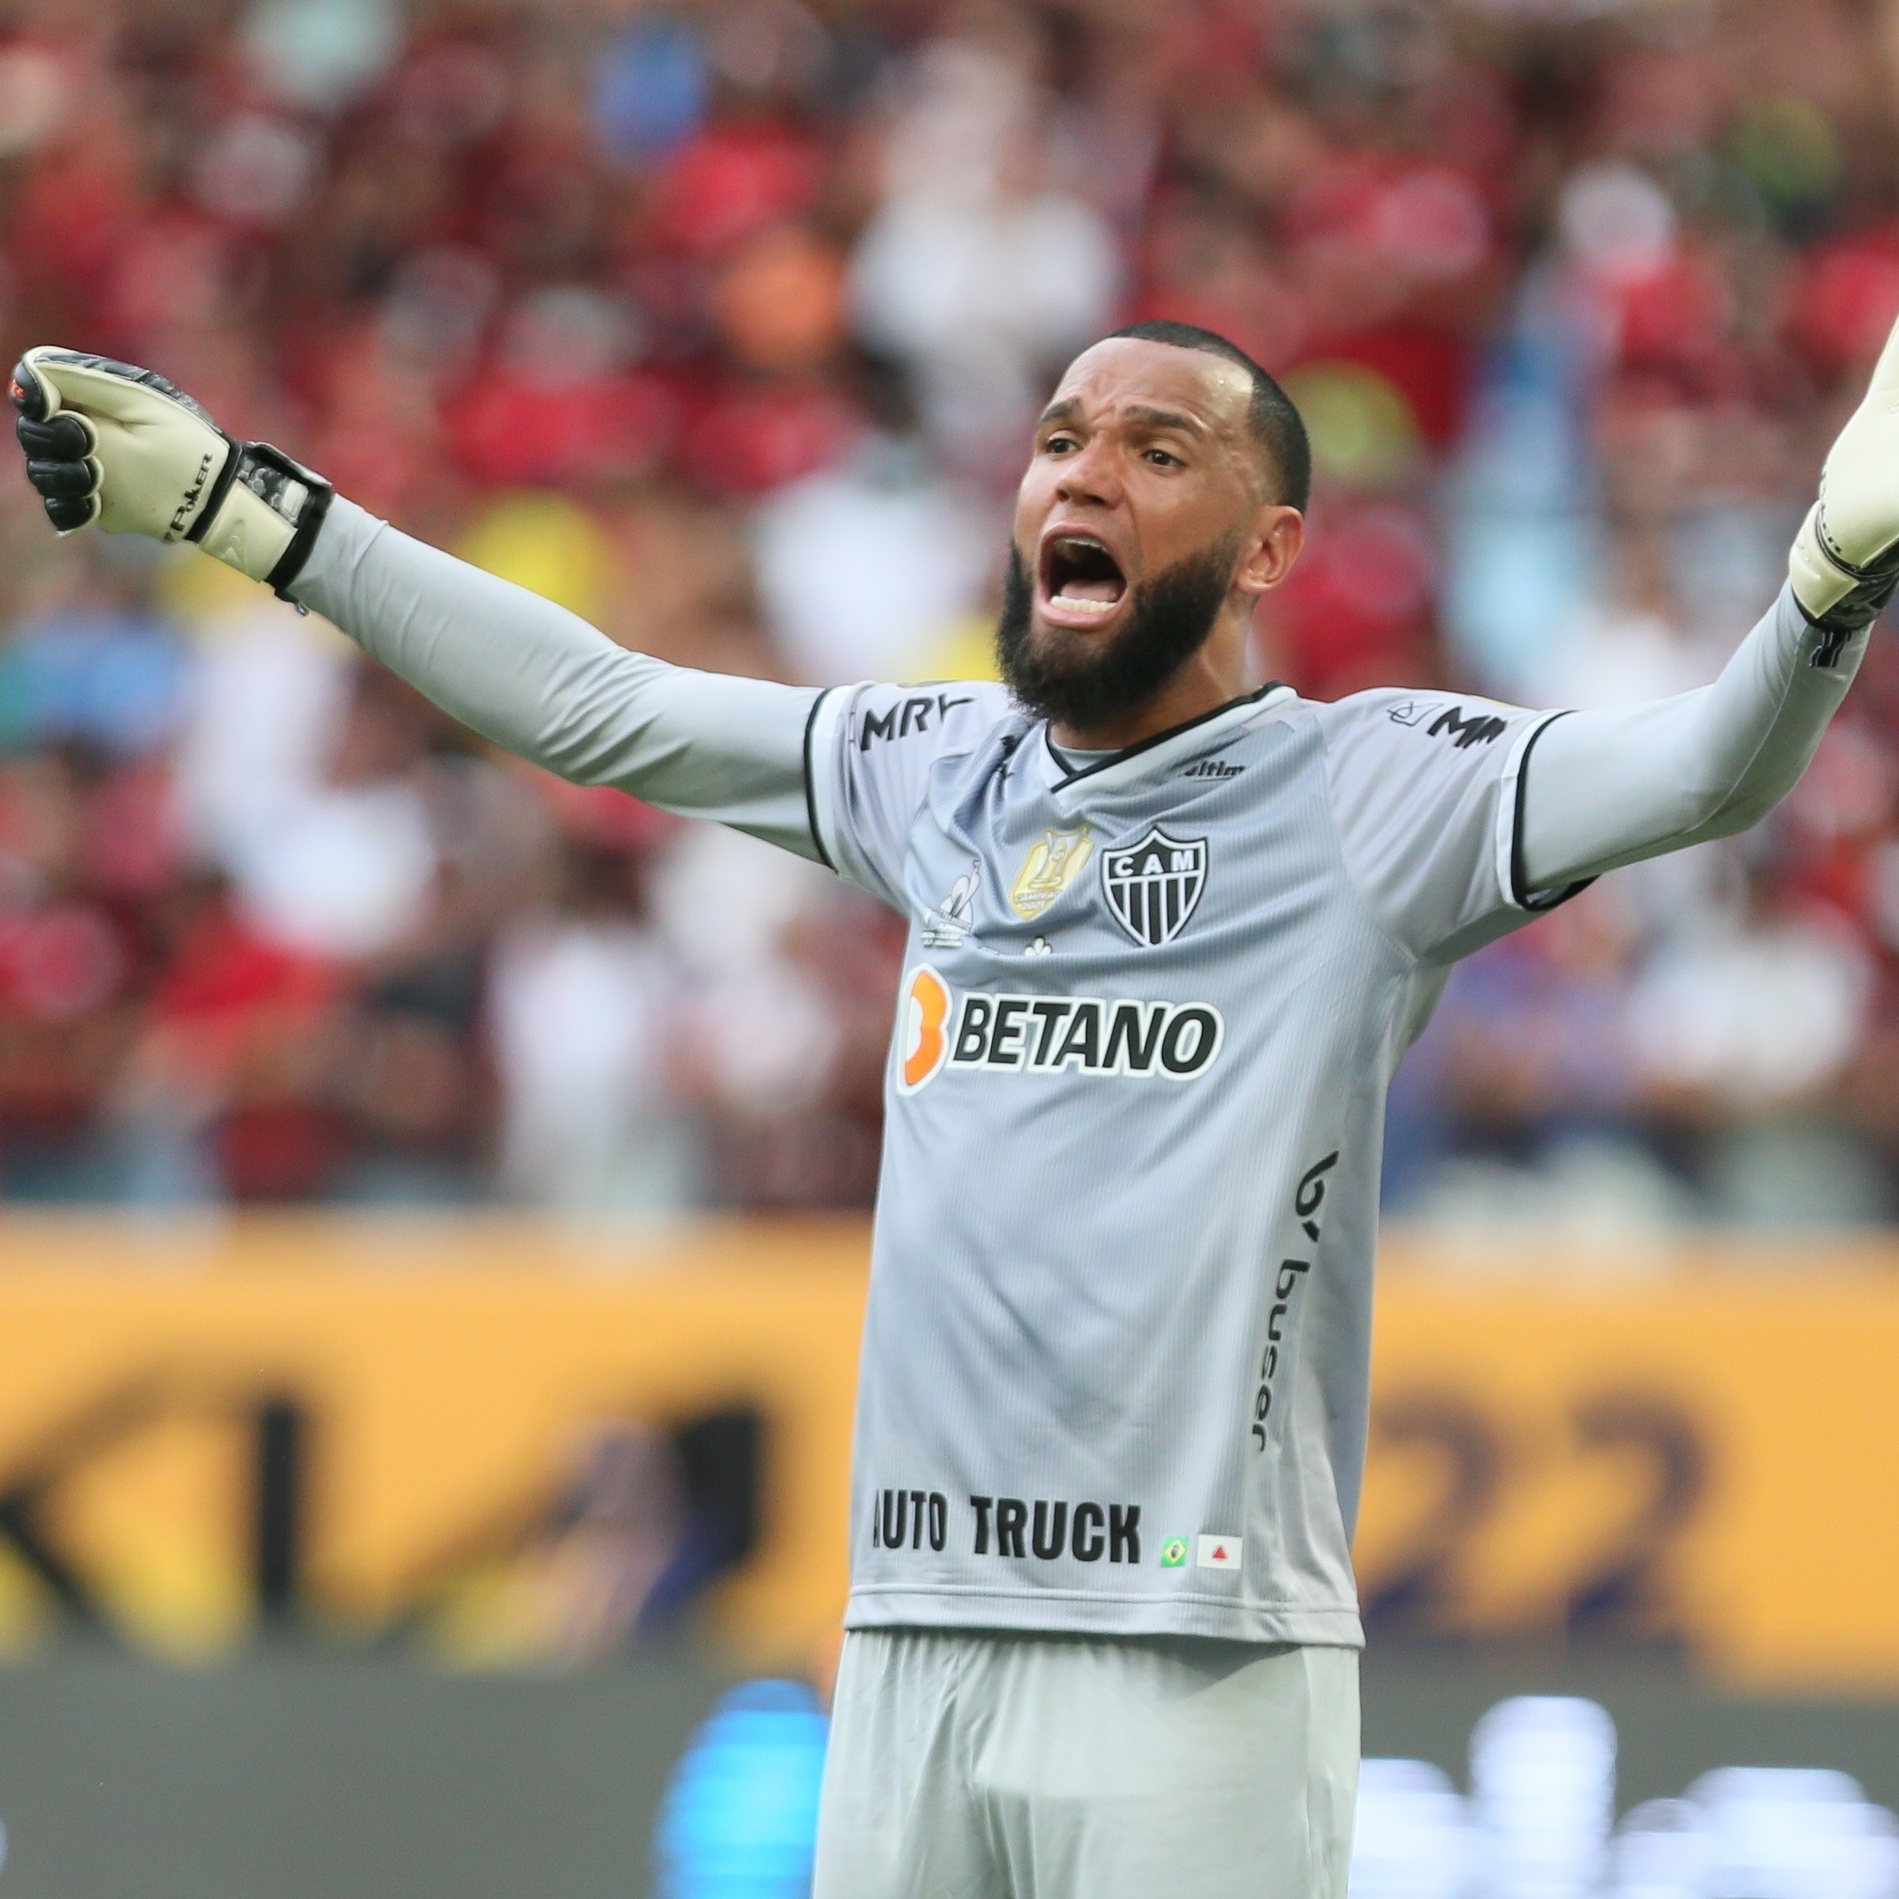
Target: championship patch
{"x":1154,"y":887}
{"x":1053,"y":863}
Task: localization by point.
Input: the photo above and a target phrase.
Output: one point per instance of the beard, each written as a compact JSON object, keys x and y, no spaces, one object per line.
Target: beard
{"x":1072,"y":679}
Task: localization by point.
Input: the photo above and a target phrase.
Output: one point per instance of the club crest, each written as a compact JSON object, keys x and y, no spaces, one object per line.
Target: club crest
{"x":1154,"y":886}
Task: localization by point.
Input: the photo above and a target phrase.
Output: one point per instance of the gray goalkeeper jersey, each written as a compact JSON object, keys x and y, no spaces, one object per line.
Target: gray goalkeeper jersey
{"x":1116,"y":1357}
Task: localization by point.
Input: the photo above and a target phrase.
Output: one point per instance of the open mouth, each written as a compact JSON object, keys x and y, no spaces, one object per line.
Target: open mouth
{"x":1081,"y":578}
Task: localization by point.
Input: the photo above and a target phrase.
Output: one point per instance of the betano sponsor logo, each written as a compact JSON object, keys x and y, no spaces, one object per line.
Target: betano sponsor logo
{"x":1050,"y":1035}
{"x":925,"y":1011}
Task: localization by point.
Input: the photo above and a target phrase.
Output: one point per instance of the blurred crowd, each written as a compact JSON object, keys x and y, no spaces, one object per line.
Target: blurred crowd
{"x":722,"y":324}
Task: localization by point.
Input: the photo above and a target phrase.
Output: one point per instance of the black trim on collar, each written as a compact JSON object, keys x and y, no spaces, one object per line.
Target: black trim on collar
{"x":810,"y":789}
{"x":1524,"y":898}
{"x":1147,"y":744}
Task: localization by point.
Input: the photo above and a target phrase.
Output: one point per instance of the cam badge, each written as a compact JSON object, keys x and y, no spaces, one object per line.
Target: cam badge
{"x":1154,"y":886}
{"x":1053,"y":863}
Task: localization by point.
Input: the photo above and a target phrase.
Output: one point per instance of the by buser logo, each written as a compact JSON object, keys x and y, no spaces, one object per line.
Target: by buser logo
{"x":1306,"y":1202}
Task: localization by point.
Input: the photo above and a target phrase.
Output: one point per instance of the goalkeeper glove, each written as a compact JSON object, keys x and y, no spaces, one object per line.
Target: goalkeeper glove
{"x":120,"y":447}
{"x":1845,"y":559}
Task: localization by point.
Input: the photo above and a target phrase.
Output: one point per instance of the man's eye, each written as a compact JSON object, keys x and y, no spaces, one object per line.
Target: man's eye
{"x":1162,"y":459}
{"x":1060,"y":444}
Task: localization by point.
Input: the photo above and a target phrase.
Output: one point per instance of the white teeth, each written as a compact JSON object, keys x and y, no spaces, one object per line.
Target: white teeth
{"x":1087,"y":606}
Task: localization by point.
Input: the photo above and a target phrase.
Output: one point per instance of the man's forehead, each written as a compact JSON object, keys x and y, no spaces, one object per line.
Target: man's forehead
{"x":1134,"y":372}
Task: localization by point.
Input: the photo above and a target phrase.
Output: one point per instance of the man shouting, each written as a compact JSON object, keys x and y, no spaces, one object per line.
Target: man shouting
{"x":1169,"y":933}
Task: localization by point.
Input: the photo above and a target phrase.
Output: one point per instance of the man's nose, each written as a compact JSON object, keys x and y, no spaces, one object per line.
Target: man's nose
{"x":1091,"y":475}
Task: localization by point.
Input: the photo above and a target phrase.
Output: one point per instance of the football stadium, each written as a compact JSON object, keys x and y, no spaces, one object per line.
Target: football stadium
{"x":949,"y":949}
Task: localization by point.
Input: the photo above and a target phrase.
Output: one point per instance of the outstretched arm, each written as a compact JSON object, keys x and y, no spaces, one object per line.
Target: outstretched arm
{"x":543,"y":683}
{"x":1614,"y":786}
{"x":114,"y":445}
{"x":1611,"y":787}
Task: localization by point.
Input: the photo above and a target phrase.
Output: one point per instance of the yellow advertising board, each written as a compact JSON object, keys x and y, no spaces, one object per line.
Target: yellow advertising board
{"x":1705,"y":1455}
{"x":373,"y":1426}
{"x":439,"y":1383}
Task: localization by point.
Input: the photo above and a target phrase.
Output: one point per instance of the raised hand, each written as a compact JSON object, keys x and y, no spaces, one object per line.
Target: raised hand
{"x":118,"y":447}
{"x":1845,"y":560}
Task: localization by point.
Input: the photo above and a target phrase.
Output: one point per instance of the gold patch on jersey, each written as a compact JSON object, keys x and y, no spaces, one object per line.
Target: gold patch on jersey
{"x":1053,"y":863}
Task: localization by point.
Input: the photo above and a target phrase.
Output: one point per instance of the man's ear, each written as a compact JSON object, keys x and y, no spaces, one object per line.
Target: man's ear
{"x":1279,"y":532}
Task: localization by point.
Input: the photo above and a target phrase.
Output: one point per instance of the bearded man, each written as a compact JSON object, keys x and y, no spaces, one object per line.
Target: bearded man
{"x":1170,"y":931}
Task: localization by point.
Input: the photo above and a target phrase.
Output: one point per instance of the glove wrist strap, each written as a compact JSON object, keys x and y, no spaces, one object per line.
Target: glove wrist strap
{"x":310,"y":520}
{"x":265,"y":514}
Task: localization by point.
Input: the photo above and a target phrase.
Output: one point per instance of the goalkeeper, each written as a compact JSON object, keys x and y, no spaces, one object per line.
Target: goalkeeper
{"x":1169,"y":934}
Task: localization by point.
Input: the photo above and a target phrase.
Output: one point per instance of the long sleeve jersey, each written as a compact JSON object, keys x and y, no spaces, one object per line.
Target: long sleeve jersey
{"x":1117,"y":1349}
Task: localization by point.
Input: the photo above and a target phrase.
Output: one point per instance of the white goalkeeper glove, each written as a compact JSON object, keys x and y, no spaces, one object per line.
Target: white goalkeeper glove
{"x":1845,"y":559}
{"x":119,"y":447}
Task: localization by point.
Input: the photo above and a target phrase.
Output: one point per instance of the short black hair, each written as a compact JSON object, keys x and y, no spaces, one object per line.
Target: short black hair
{"x":1276,"y":424}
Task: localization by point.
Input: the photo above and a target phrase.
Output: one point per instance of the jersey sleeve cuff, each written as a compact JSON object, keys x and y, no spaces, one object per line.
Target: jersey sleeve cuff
{"x":1512,"y":877}
{"x":828,"y":712}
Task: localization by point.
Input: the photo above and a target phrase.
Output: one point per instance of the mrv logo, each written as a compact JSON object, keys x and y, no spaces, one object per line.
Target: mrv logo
{"x":1050,"y":1035}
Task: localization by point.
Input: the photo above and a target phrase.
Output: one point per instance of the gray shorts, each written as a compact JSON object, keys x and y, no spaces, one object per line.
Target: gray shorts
{"x":998,"y":1766}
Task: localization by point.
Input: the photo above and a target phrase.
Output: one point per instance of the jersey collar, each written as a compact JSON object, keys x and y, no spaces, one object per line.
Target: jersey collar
{"x":1153,"y":756}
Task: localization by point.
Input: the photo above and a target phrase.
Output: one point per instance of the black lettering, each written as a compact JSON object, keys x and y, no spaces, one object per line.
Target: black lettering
{"x":1289,"y":1271}
{"x":939,"y":1519}
{"x":1479,"y":730}
{"x":981,"y":1507}
{"x":1051,"y":1014}
{"x":919,"y":709}
{"x":945,"y":704}
{"x":876,"y":1525}
{"x":1263,"y":1403}
{"x":1051,"y":1529}
{"x":1129,"y":1044}
{"x":1083,"y":1041}
{"x":917,"y":1501}
{"x":1272,"y":1323}
{"x":1206,"y":1039}
{"x":1270,"y":1363}
{"x":1005,"y":1043}
{"x":1088,"y":1542}
{"x":972,"y":1030}
{"x":1124,"y":1533}
{"x":1011,"y":1514}
{"x":1050,"y":1034}
{"x":1312,"y":1185}
{"x":896,"y":1518}
{"x":884,"y":727}
{"x":191,"y":494}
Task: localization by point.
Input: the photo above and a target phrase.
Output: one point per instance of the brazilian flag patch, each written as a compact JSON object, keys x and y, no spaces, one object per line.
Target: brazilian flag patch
{"x":1174,"y":1553}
